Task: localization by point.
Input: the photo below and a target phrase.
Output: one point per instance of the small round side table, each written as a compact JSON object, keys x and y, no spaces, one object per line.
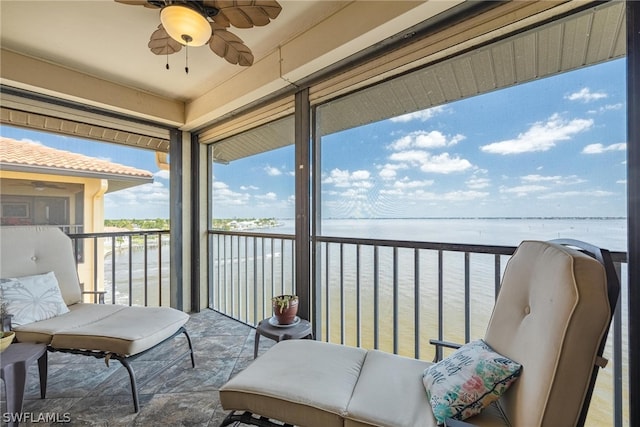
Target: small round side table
{"x":280,"y":333}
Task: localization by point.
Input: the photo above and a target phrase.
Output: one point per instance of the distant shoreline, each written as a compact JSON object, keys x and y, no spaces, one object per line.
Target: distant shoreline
{"x":417,"y":217}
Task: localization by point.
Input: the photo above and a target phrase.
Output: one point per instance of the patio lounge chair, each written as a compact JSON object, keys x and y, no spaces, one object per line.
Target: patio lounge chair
{"x":551,"y":317}
{"x":110,"y":331}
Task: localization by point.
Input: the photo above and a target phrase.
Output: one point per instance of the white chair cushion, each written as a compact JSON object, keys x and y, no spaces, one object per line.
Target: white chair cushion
{"x":33,"y":250}
{"x":307,"y":383}
{"x":550,"y":315}
{"x":390,"y":393}
{"x":111,"y":328}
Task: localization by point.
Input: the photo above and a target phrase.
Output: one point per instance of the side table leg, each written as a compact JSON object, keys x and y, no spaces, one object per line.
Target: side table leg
{"x":43,"y":367}
{"x":255,"y":344}
{"x":15,"y":378}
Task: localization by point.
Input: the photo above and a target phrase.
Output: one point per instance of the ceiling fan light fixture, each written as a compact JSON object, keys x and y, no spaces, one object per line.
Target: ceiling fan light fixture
{"x":185,"y":25}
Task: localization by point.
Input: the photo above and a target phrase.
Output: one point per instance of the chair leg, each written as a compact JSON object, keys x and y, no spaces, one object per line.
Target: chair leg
{"x":134,"y":387}
{"x":193,"y":360}
{"x":43,"y":367}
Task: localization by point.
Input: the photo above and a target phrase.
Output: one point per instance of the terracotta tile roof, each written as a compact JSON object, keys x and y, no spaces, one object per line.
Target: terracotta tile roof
{"x":32,"y":154}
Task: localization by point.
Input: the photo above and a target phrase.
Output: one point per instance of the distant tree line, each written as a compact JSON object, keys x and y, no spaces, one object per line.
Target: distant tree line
{"x":164,"y":224}
{"x":229,"y":224}
{"x":139,"y":224}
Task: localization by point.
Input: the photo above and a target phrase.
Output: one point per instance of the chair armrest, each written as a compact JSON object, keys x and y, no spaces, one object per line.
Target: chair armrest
{"x":450,"y":422}
{"x":99,"y":294}
{"x":439,"y":345}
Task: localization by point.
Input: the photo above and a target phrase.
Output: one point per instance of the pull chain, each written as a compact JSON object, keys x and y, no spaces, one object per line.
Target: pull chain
{"x":186,"y":67}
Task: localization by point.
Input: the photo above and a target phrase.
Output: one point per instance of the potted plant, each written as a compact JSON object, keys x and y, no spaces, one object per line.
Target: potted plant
{"x":285,"y":308}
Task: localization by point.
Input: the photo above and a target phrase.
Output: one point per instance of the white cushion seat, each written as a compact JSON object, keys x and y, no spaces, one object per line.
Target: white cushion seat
{"x":390,"y":392}
{"x":312,"y":389}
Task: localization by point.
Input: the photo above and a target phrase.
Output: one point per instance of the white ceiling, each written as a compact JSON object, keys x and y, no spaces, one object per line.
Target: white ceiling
{"x":95,"y":52}
{"x":109,"y":40}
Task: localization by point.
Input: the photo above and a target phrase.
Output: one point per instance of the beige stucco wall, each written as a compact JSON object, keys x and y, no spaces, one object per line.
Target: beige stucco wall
{"x":93,"y":217}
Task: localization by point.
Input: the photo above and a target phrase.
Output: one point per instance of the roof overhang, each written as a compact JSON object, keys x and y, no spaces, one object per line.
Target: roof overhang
{"x":116,"y":182}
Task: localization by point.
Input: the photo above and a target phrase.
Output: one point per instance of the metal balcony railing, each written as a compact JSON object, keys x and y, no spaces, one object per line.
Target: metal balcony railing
{"x":131,"y":267}
{"x":250,"y":268}
{"x":393,"y":296}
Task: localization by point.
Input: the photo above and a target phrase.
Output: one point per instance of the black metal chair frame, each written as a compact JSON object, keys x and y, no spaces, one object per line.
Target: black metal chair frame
{"x":124,"y":360}
{"x":246,"y":417}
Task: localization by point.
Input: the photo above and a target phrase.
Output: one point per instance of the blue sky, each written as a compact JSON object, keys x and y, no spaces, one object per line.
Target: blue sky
{"x":554,"y":147}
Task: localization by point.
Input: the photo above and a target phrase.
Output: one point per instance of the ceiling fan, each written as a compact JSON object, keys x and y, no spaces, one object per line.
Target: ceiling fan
{"x":200,"y":22}
{"x":39,"y":185}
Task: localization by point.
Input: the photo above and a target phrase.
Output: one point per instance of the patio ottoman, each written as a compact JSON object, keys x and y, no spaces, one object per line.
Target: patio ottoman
{"x":312,"y":389}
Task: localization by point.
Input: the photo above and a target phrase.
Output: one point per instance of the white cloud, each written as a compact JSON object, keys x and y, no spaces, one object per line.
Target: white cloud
{"x":457,"y":196}
{"x":405,"y":184}
{"x":225,"y":196}
{"x":425,"y":139}
{"x":585,"y":95}
{"x":429,"y":196}
{"x":413,"y":157}
{"x":621,"y":181}
{"x":388,"y":172}
{"x":423,"y":115}
{"x":478,"y":183}
{"x":271,"y":171}
{"x":599,"y":148}
{"x":162,"y":174}
{"x":354,"y":193}
{"x":269,"y":196}
{"x":443,"y":163}
{"x":555,"y":179}
{"x":522,"y":190}
{"x":541,"y":136}
{"x":248,"y":187}
{"x":581,"y":194}
{"x":344,"y":178}
{"x":540,"y":178}
{"x":440,"y":163}
{"x":360,"y":175}
{"x":152,"y":194}
{"x":608,"y":107}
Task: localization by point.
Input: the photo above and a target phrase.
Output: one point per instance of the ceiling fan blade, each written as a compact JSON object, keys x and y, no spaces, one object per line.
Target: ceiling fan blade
{"x":144,"y":3}
{"x":229,"y":46}
{"x":246,"y":13}
{"x":162,"y":44}
{"x":42,"y":185}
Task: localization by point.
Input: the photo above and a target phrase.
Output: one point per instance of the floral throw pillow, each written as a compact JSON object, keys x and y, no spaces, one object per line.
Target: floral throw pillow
{"x":467,"y":381}
{"x":32,"y":298}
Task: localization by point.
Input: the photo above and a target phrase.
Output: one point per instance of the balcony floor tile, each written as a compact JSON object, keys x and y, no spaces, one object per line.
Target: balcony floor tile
{"x":93,"y":394}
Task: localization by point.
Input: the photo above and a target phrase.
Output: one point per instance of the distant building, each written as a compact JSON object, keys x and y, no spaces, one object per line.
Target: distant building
{"x":41,"y":185}
{"x":44,"y":186}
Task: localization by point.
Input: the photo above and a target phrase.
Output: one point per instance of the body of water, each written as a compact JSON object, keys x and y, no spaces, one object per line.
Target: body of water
{"x":610,"y":233}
